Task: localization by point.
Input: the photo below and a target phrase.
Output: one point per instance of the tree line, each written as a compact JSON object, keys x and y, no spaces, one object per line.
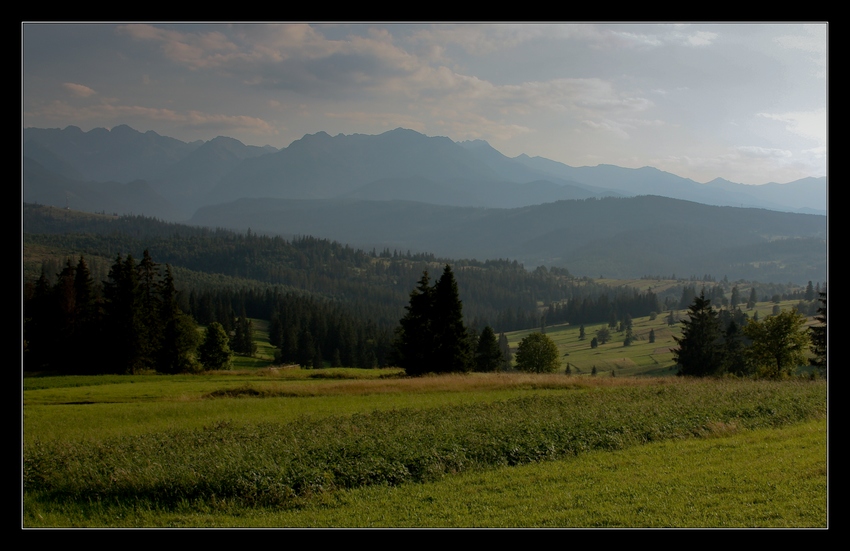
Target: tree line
{"x":130,"y":323}
{"x":716,"y":343}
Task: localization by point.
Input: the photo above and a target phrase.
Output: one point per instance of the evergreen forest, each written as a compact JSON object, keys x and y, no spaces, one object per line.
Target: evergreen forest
{"x":326,"y":303}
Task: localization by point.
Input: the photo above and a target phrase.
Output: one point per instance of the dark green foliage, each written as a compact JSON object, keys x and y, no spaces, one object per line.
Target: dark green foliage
{"x":736,"y":297}
{"x":818,"y":336}
{"x":778,"y":344}
{"x":651,"y":336}
{"x":243,"y":338}
{"x":594,"y":342}
{"x":123,"y":315}
{"x":453,"y":353}
{"x":603,"y":335}
{"x":431,"y":337}
{"x":214,"y":353}
{"x":734,"y":351}
{"x":751,"y":302}
{"x":507,"y":356}
{"x":700,"y":351}
{"x":537,"y":353}
{"x":180,"y":337}
{"x":488,"y":355}
{"x":414,"y":345}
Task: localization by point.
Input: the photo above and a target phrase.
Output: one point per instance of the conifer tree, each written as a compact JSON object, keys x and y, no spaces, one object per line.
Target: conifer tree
{"x":700,"y":351}
{"x":507,"y":357}
{"x":214,"y":353}
{"x":180,"y":338}
{"x":488,"y":356}
{"x":818,"y":336}
{"x":123,"y":324}
{"x":452,"y":352}
{"x":431,"y":336}
{"x":414,"y":342}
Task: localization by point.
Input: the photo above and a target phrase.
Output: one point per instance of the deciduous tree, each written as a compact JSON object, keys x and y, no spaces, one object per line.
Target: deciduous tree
{"x":779,"y":343}
{"x":537,"y":353}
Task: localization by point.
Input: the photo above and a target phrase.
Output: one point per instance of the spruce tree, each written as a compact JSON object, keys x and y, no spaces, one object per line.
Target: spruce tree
{"x":700,"y":351}
{"x":507,"y":356}
{"x":414,"y":343}
{"x":214,"y":353}
{"x":180,"y":337}
{"x":818,"y":336}
{"x":452,"y":353}
{"x":488,"y":356}
{"x":123,"y":324}
{"x":431,"y":336}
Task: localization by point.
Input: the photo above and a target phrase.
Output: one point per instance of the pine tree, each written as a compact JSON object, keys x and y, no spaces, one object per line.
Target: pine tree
{"x":452,"y":353}
{"x":735,"y":299}
{"x":414,"y":343}
{"x":123,"y":324}
{"x":507,"y":357}
{"x":734,"y":351}
{"x":214,"y":352}
{"x":488,"y":356}
{"x":818,"y":336}
{"x":700,"y":351}
{"x":431,"y":336}
{"x":180,"y":337}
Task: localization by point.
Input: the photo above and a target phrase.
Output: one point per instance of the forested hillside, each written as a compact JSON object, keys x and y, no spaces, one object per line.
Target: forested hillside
{"x":340,"y":302}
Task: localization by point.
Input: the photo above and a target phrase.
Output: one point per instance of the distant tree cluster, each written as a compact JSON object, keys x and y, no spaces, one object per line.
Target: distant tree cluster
{"x":713,"y":343}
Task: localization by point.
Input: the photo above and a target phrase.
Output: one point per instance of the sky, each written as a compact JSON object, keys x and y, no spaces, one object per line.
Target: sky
{"x":744,"y":102}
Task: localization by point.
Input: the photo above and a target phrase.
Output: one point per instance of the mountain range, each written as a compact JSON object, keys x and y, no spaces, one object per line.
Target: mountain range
{"x":402,"y":189}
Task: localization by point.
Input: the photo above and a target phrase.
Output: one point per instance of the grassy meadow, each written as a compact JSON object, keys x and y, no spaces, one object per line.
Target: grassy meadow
{"x":267,"y":446}
{"x":362,"y":448}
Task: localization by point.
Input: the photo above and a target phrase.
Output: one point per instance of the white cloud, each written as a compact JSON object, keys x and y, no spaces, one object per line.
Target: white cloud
{"x":79,"y":90}
{"x":808,"y":124}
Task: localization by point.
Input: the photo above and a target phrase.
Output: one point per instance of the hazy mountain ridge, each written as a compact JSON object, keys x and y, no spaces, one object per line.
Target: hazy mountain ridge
{"x":399,"y":164}
{"x":404,"y":190}
{"x":625,"y":237}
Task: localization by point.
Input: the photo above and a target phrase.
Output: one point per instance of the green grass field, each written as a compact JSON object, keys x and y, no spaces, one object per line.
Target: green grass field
{"x":369,"y":448}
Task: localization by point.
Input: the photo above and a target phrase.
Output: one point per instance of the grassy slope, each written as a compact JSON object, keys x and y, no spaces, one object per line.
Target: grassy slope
{"x":775,"y":478}
{"x":640,"y":358}
{"x":764,"y":478}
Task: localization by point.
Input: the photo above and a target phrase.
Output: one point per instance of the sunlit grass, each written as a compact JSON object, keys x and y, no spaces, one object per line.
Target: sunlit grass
{"x":762,"y":478}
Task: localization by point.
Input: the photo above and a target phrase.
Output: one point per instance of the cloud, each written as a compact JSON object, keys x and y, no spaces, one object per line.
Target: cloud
{"x":197,"y":50}
{"x":78,"y":90}
{"x":808,"y":124}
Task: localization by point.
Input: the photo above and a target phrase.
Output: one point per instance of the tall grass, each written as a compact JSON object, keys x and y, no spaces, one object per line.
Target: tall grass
{"x":289,"y":464}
